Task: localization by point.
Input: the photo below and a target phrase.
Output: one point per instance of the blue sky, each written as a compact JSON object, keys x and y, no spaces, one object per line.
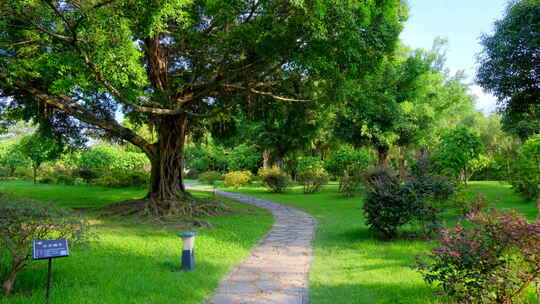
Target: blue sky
{"x":461,"y":22}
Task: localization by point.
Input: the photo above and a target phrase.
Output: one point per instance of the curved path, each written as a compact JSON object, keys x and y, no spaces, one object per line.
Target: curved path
{"x":277,"y":269}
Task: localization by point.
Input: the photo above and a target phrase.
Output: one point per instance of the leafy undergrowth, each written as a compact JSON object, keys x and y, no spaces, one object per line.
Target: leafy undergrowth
{"x":351,"y":265}
{"x":136,"y":262}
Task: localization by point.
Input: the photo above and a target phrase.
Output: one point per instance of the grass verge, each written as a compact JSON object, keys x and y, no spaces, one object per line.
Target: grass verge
{"x":351,"y":266}
{"x":136,"y":263}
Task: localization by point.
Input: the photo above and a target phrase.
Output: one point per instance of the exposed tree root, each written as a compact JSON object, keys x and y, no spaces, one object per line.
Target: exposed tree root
{"x":168,"y":212}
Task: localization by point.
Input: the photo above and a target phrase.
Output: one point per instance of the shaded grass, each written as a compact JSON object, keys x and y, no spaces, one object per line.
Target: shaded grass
{"x":351,"y":265}
{"x":136,"y":263}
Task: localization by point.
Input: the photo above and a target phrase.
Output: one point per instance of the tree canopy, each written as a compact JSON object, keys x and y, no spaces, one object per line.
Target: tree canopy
{"x":509,"y":66}
{"x":71,"y":65}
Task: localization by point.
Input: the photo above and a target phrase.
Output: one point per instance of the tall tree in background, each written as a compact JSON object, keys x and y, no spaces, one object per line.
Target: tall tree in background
{"x":373,"y":113}
{"x":71,"y":65}
{"x":509,"y":67}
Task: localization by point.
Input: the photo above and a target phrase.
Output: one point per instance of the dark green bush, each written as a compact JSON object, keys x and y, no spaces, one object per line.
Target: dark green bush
{"x":385,"y":206}
{"x":87,"y":174}
{"x":22,"y":221}
{"x":428,"y":193}
{"x":65,"y":178}
{"x":274,"y":179}
{"x":47,"y":180}
{"x":391,"y":203}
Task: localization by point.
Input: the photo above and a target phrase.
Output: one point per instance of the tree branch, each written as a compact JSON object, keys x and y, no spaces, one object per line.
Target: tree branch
{"x":65,"y":103}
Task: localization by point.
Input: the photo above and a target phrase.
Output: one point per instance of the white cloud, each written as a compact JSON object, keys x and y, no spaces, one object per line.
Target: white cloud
{"x":485,"y":102}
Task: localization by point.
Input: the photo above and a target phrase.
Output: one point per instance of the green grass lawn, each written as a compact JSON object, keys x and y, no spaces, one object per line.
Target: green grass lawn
{"x":136,"y":263}
{"x":350,"y":265}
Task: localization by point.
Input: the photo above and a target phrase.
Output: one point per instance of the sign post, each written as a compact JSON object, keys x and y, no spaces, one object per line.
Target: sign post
{"x":49,"y":250}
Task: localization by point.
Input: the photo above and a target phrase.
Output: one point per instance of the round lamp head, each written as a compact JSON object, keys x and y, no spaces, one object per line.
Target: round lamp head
{"x":189,"y":240}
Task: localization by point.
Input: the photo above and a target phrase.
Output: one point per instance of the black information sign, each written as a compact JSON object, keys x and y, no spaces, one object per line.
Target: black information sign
{"x":50,"y":249}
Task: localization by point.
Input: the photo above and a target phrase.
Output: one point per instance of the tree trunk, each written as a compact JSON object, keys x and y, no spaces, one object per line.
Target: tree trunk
{"x":167,"y":191}
{"x":266,"y":158}
{"x":382,"y":155}
{"x":35,"y":173}
{"x":9,"y":280}
{"x":402,"y":163}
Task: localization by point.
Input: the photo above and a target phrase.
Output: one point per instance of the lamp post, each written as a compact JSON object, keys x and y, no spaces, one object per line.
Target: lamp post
{"x":188,"y":254}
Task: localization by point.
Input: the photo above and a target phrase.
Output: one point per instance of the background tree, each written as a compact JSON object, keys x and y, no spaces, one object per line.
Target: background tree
{"x":71,"y":65}
{"x":39,"y":149}
{"x":11,"y":157}
{"x":509,"y":66}
{"x":372,"y":114}
{"x":458,"y":151}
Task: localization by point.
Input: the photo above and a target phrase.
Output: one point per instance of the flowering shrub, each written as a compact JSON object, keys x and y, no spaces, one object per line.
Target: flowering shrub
{"x":494,"y":261}
{"x":237,"y":179}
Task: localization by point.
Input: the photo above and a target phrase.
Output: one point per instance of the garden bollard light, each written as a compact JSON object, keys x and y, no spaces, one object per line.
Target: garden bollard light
{"x":188,"y":254}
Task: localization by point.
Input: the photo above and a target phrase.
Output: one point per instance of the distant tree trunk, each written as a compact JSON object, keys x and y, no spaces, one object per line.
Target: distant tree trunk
{"x":35,"y":172}
{"x":402,"y":162}
{"x":266,"y":158}
{"x":423,"y":152}
{"x":382,"y":155}
{"x":167,"y":190}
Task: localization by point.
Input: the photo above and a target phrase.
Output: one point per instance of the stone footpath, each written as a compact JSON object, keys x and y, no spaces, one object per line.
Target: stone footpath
{"x":277,"y":269}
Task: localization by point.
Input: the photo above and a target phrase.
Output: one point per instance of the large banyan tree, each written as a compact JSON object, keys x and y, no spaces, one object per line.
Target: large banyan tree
{"x":73,"y":65}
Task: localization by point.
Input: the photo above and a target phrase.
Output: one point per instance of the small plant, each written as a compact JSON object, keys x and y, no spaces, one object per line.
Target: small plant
{"x":494,"y":261}
{"x":311,"y":174}
{"x":237,"y":179}
{"x":467,"y":202}
{"x":22,"y":221}
{"x":210,"y":177}
{"x":351,"y":185}
{"x":274,"y":179}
